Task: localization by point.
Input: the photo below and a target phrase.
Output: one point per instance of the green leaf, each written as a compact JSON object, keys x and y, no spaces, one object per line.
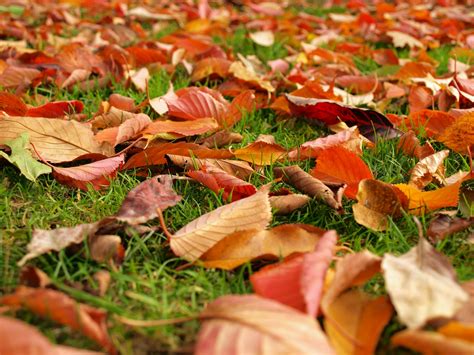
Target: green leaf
{"x":21,"y":157}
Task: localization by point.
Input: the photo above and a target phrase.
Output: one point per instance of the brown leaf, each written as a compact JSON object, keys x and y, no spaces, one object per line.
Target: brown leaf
{"x":186,"y":128}
{"x":422,"y":285}
{"x":355,"y":321}
{"x":64,"y":310}
{"x":442,"y":226}
{"x":33,"y":277}
{"x":122,"y":102}
{"x":246,"y":74}
{"x":410,"y":145}
{"x":352,"y":270}
{"x":243,"y":246}
{"x":420,"y":98}
{"x":311,"y":186}
{"x":112,"y":118}
{"x":285,"y":204}
{"x":220,"y":139}
{"x":251,"y":324}
{"x":211,"y":67}
{"x":430,"y":122}
{"x":140,"y":79}
{"x":127,"y":130}
{"x":104,"y":248}
{"x":142,"y":202}
{"x":18,"y":77}
{"x":103,"y":278}
{"x":298,"y":282}
{"x":431,"y":343}
{"x":56,"y":140}
{"x":428,"y":168}
{"x":376,"y":201}
{"x":197,"y":237}
{"x":17,"y":337}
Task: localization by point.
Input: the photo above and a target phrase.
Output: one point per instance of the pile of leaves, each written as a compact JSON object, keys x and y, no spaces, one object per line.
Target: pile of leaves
{"x":342,"y":71}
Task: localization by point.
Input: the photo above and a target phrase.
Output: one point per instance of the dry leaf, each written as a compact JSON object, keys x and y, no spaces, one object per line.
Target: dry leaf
{"x":221,"y":139}
{"x":17,"y":337}
{"x":285,"y":204}
{"x":142,"y":202}
{"x":242,"y":72}
{"x":431,"y":343}
{"x":33,"y":277}
{"x":410,"y":145}
{"x":251,"y":324}
{"x":401,"y":39}
{"x":337,"y":165}
{"x":427,"y":169}
{"x":197,"y":237}
{"x":422,"y":285}
{"x":376,"y":201}
{"x":243,"y":246}
{"x":460,"y":135}
{"x":263,"y":38}
{"x":430,"y":122}
{"x":311,"y":186}
{"x":56,"y":140}
{"x":186,"y":128}
{"x":140,"y":79}
{"x":442,"y":226}
{"x":298,"y":282}
{"x":104,"y":248}
{"x":355,"y":321}
{"x":261,"y":153}
{"x":126,"y":131}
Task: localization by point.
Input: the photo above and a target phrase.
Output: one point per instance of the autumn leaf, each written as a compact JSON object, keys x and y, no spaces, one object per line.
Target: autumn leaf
{"x":308,"y":184}
{"x":460,"y":135}
{"x":56,"y":140}
{"x":247,"y":324}
{"x":428,"y":168}
{"x":286,"y":204}
{"x":246,"y":74}
{"x":63,"y":310}
{"x":422,"y":285}
{"x":410,"y":145}
{"x":261,"y":153}
{"x":337,"y":165}
{"x":197,"y":237}
{"x":430,"y":122}
{"x":12,"y":104}
{"x":129,"y":129}
{"x":442,"y":226}
{"x":243,"y":246}
{"x":19,"y":337}
{"x":56,"y":109}
{"x":182,"y":129}
{"x":142,"y":202}
{"x":298,"y":282}
{"x":211,"y":67}
{"x":21,"y":157}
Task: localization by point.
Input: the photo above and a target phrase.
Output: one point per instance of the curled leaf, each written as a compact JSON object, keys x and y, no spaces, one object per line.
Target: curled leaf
{"x":428,"y":168}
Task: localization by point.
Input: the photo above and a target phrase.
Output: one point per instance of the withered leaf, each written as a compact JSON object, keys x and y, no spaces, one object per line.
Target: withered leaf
{"x":285,"y":204}
{"x":428,"y":168}
{"x":442,"y":226}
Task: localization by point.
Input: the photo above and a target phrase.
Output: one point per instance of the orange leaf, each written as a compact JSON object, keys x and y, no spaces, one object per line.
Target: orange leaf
{"x":459,"y":136}
{"x":337,"y":165}
{"x":12,"y":104}
{"x":187,"y":128}
{"x":430,"y":121}
{"x":261,"y":153}
{"x":422,"y":201}
{"x":144,"y":56}
{"x":211,"y":67}
{"x":127,"y":130}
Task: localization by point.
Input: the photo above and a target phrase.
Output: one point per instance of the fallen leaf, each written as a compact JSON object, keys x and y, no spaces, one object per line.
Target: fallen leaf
{"x":263,"y":38}
{"x":243,"y":246}
{"x":285,"y":204}
{"x":211,"y":67}
{"x":422,"y":285}
{"x":355,"y":321}
{"x":261,"y":153}
{"x":56,"y":109}
{"x":127,"y":130}
{"x":430,"y":122}
{"x":298,"y":282}
{"x":12,"y":104}
{"x":244,"y":73}
{"x":17,"y":337}
{"x":140,"y":79}
{"x":186,"y":128}
{"x":122,"y":102}
{"x":431,"y":343}
{"x":112,"y":118}
{"x":197,"y":237}
{"x":105,"y":248}
{"x":56,"y":140}
{"x":33,"y":277}
{"x":242,"y":104}
{"x":337,"y":165}
{"x":220,"y":139}
{"x":17,"y":77}
{"x":460,"y":135}
{"x":142,"y":202}
{"x":421,"y":201}
{"x":217,"y":179}
{"x":410,"y":145}
{"x":64,"y":310}
{"x":21,"y":157}
{"x":144,"y":56}
{"x":103,"y":279}
{"x":376,"y":201}
{"x":419,"y":98}
{"x":97,"y":174}
{"x":309,"y":185}
{"x":458,"y":330}
{"x":442,"y":226}
{"x":428,"y":168}
{"x":247,"y":324}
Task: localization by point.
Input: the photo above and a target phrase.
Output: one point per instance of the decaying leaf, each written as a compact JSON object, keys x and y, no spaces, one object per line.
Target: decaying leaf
{"x":243,"y":246}
{"x":261,"y":153}
{"x":428,"y":168}
{"x":64,"y":310}
{"x":220,"y":139}
{"x":263,"y":38}
{"x":285,"y":204}
{"x":142,"y":202}
{"x":251,"y":324}
{"x":442,"y":226}
{"x":311,"y":186}
{"x":126,"y":131}
{"x":197,"y":237}
{"x":422,"y":285}
{"x":298,"y":282}
{"x":21,"y":157}
{"x":410,"y":145}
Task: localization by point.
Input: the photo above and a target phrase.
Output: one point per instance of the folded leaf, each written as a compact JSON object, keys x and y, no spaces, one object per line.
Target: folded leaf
{"x":126,"y":131}
{"x":285,"y":204}
{"x":428,"y":168}
{"x":261,"y":153}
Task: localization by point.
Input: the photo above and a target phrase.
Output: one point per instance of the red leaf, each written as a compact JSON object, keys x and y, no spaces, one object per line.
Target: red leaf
{"x":432,"y":122}
{"x":186,"y":128}
{"x":298,"y":282}
{"x":12,"y":104}
{"x":98,"y":174}
{"x":56,"y":109}
{"x":217,"y":180}
{"x":338,"y":165}
{"x":144,"y":56}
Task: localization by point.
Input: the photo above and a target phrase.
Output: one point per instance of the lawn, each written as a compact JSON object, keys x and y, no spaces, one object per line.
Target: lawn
{"x":152,"y":283}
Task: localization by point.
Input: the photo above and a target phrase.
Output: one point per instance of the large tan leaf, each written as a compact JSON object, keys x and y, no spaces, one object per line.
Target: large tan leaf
{"x":279,"y":242}
{"x":355,"y":320}
{"x":64,"y":310}
{"x":197,"y":237}
{"x":56,"y":140}
{"x":250,"y":324}
{"x":17,"y":337}
{"x":308,"y":184}
{"x":422,"y":285}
